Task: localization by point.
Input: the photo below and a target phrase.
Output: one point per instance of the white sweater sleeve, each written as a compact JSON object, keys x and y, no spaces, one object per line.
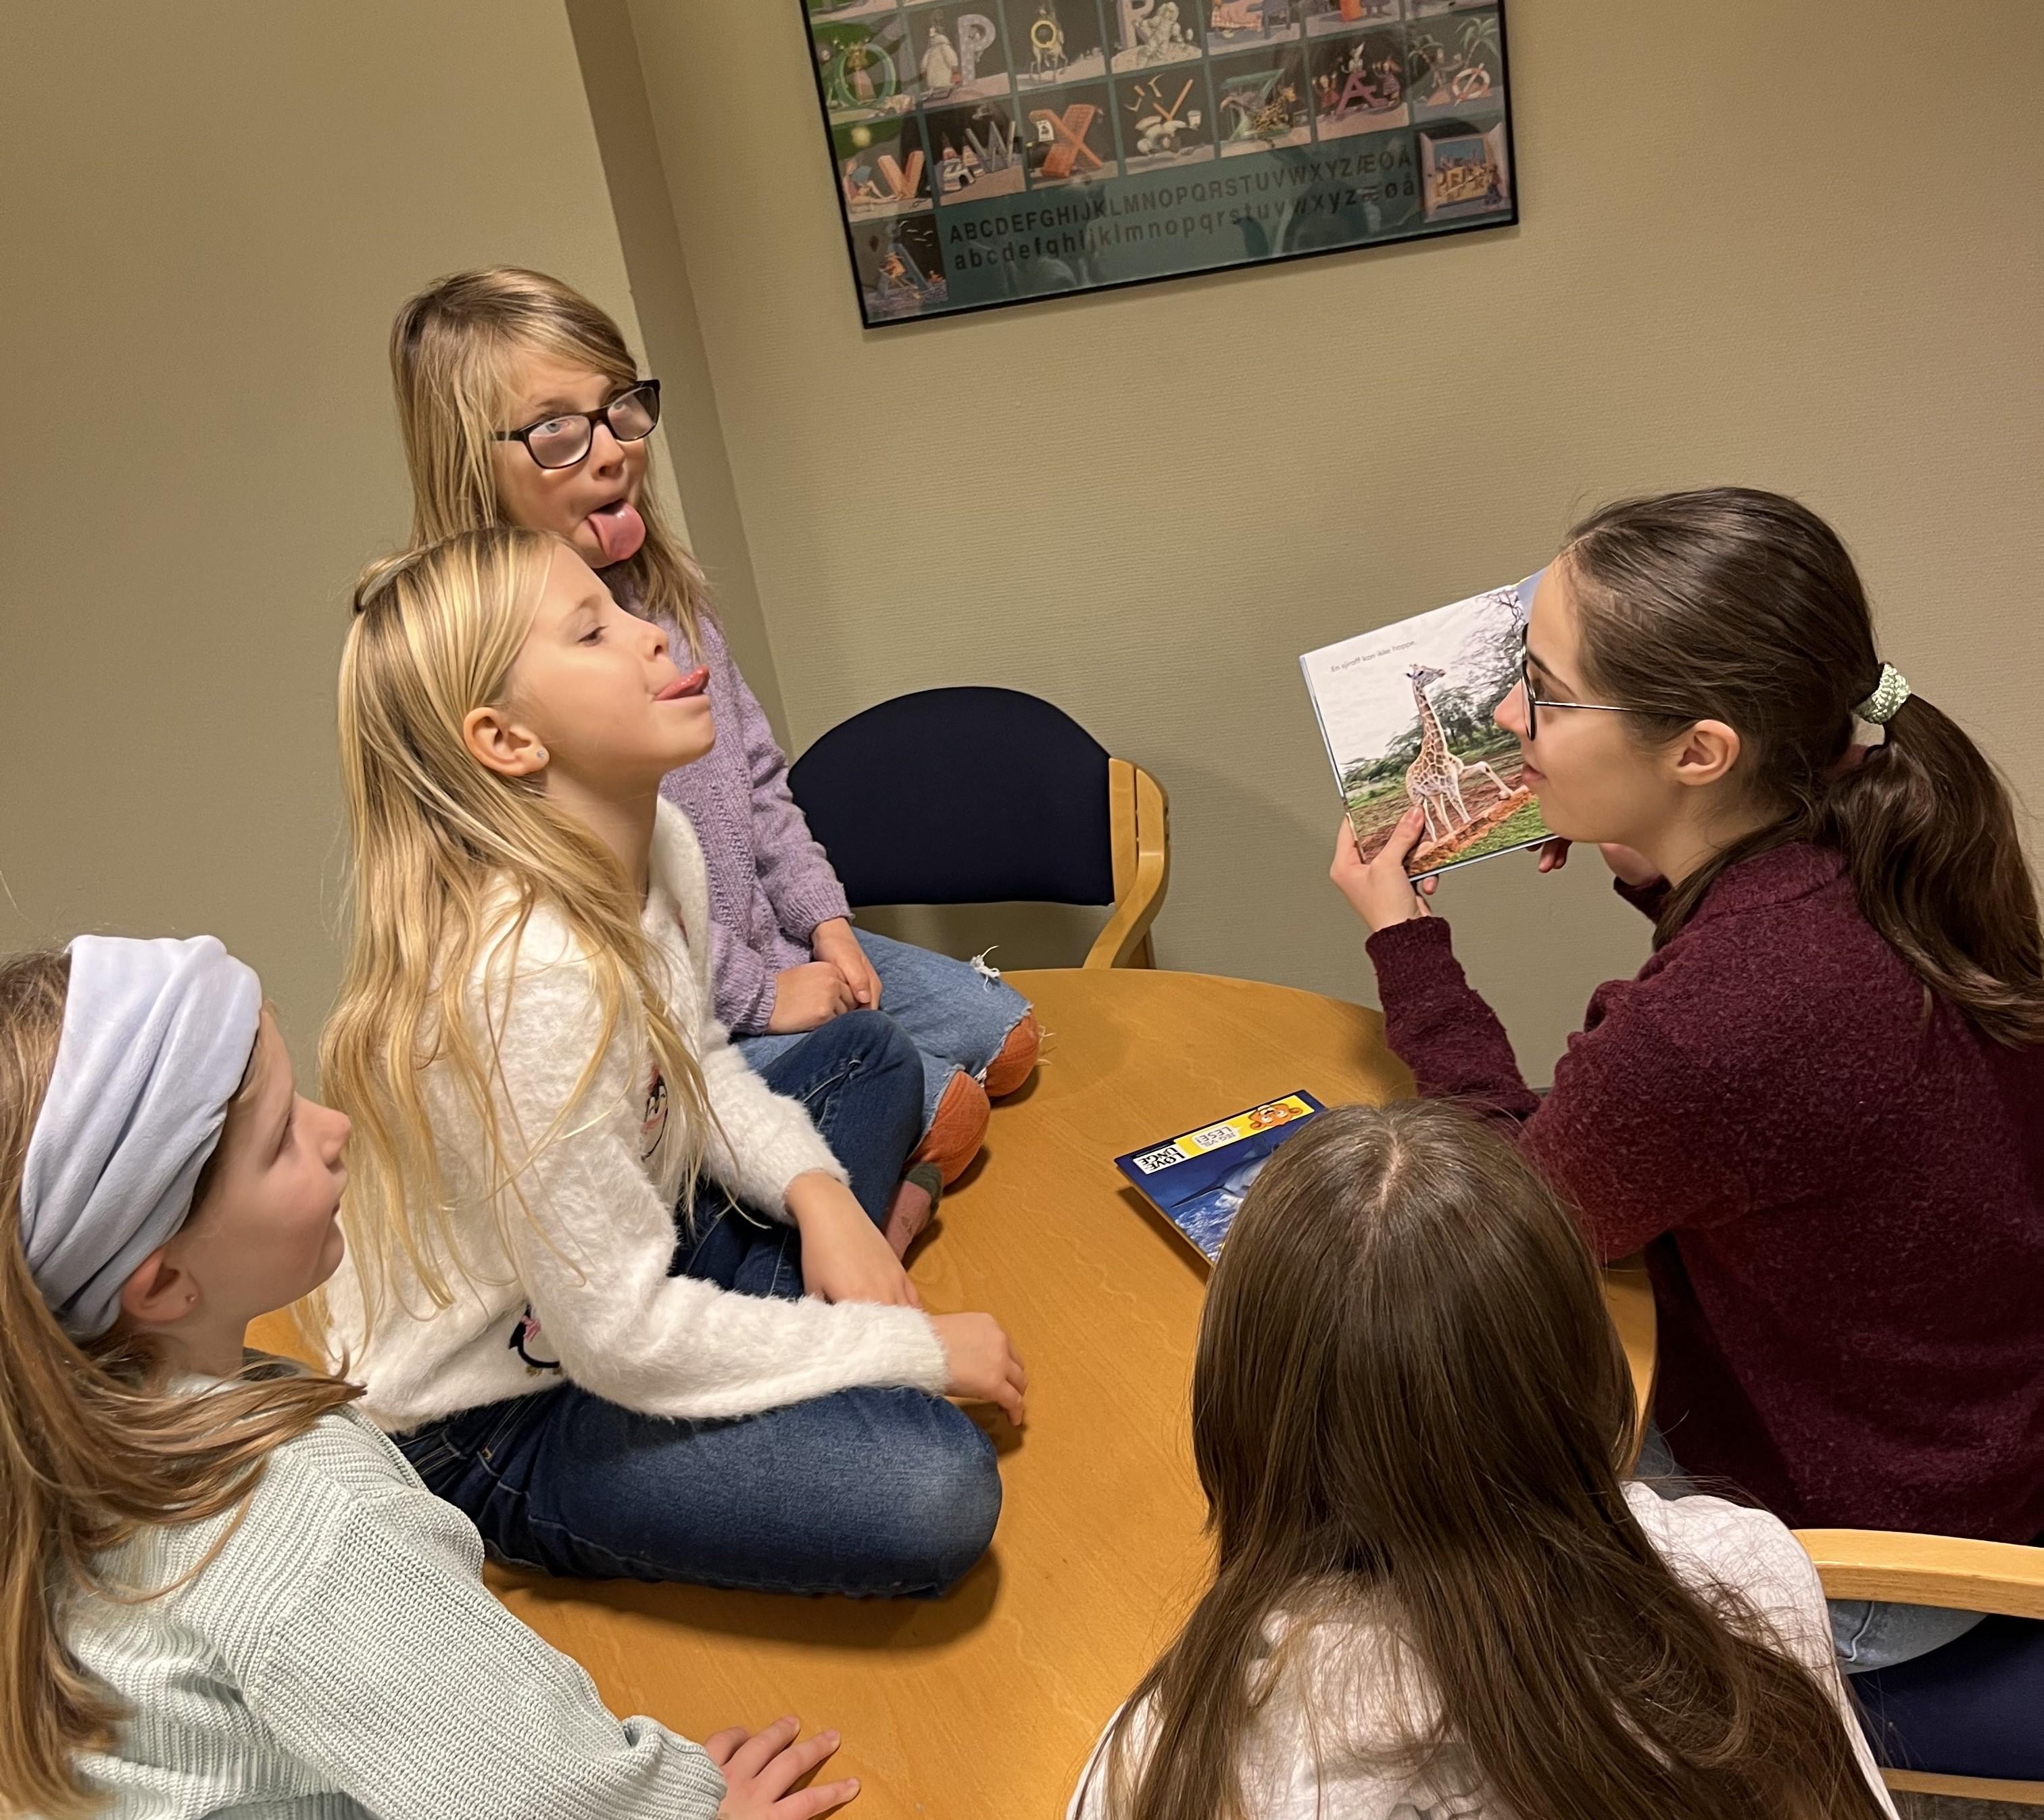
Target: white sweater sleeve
{"x":394,"y":1672}
{"x":762,"y":1140}
{"x":1089,"y":1800}
{"x":1758,"y":1554}
{"x":1782,"y":1581}
{"x":592,"y":1243}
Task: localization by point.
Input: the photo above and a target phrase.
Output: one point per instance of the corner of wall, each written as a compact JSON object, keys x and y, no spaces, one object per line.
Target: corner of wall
{"x":608,"y":51}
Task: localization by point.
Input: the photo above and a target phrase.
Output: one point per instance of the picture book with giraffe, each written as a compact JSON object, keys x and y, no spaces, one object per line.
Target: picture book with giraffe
{"x":1408,"y":715}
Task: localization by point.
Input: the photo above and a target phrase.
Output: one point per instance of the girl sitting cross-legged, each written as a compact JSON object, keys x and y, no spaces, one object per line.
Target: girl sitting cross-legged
{"x":623,"y":1301}
{"x":520,"y":404}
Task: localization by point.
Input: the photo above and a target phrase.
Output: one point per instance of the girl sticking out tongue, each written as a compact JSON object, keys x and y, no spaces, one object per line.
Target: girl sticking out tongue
{"x":521,"y":404}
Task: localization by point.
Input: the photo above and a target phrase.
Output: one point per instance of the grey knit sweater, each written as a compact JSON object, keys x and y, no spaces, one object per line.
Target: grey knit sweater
{"x":341,"y":1658}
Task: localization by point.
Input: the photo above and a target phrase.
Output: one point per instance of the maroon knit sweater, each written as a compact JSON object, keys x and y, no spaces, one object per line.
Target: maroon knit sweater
{"x":1841,"y":1197}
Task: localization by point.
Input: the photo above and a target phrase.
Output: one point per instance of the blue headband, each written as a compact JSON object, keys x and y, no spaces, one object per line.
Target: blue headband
{"x":156,"y":1039}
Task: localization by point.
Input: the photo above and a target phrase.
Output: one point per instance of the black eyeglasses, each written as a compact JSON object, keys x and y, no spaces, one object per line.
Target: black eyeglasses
{"x":1534,"y":703}
{"x":564,"y":440}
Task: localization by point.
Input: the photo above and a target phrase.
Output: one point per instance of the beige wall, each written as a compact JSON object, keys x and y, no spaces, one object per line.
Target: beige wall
{"x":673,"y":343}
{"x":1797,"y":246}
{"x":213,"y":211}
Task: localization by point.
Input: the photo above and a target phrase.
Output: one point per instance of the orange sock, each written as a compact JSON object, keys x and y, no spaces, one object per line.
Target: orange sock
{"x":955,"y":1134}
{"x":1016,"y":1061}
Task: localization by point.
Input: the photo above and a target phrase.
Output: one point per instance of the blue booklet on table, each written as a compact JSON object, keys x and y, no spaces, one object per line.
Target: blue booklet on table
{"x":1198,"y":1181}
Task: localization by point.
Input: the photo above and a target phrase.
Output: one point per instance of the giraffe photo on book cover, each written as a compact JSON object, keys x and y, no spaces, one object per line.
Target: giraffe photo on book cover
{"x":1408,"y":713}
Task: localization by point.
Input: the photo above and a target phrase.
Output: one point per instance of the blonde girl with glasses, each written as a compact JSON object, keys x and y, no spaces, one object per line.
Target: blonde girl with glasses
{"x":521,"y":405}
{"x":222,"y":1591}
{"x":621,"y":1302}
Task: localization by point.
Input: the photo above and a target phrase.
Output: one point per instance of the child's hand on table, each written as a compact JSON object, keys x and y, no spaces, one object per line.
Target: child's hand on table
{"x":759,"y":1769}
{"x":982,"y":1361}
{"x":845,"y":1258}
{"x":806,"y":996}
{"x":834,"y":944}
{"x":1378,"y":890}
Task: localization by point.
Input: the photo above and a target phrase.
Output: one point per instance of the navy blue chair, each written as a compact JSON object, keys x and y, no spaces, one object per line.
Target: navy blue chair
{"x":1963,"y":1720}
{"x":988,"y":795}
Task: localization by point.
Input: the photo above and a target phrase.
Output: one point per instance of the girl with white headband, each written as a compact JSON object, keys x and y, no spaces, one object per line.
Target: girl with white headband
{"x":222,"y":1589}
{"x":1816,"y":1107}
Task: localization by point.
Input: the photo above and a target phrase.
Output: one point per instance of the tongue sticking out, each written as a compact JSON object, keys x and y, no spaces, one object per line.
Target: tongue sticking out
{"x":619,"y":530}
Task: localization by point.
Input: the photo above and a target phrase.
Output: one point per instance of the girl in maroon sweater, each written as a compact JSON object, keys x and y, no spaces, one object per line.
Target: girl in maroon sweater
{"x":1819,"y":1106}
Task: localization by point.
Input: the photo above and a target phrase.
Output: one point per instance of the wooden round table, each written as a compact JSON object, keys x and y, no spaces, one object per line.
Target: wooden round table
{"x":987,"y":1702}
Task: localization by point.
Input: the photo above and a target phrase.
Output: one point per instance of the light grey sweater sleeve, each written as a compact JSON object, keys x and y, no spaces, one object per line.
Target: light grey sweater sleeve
{"x":330,"y":1650}
{"x":391,"y":1670}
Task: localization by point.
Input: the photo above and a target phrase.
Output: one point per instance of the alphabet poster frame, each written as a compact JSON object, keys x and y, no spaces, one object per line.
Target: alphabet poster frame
{"x":990,"y":152}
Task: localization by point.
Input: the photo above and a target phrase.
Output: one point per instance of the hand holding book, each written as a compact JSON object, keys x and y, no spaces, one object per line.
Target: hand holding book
{"x":1379,"y":890}
{"x":1382,"y":892}
{"x":1410,"y":715}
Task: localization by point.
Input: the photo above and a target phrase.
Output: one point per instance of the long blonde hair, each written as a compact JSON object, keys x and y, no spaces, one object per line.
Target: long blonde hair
{"x":452,"y":349}
{"x":449,"y":861}
{"x":1409,"y":1407}
{"x":92,"y":1449}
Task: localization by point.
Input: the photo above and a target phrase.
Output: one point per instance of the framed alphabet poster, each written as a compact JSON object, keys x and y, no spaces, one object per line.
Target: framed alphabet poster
{"x":993,"y":151}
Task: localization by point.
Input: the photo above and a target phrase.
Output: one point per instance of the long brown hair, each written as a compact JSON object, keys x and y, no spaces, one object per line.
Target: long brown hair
{"x":1744,"y":607}
{"x":452,"y":349}
{"x":92,"y":1448}
{"x":1408,"y":1405}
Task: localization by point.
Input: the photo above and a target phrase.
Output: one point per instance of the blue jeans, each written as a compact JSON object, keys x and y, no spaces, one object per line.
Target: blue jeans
{"x":868,"y":1491}
{"x":956,"y":1017}
{"x":1870,"y":1634}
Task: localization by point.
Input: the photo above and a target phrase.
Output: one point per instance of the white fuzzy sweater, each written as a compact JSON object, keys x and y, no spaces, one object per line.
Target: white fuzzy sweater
{"x":581,"y":1289}
{"x":1344,"y":1689}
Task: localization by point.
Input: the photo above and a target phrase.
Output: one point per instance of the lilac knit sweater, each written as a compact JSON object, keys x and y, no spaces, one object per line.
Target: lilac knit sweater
{"x":770,"y":884}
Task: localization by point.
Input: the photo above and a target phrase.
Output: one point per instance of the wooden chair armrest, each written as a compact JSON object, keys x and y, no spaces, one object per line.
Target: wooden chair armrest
{"x":1142,"y":865}
{"x":1951,"y":1570}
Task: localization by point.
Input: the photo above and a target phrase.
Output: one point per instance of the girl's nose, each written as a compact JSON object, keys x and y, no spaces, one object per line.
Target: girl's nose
{"x":605,"y":449}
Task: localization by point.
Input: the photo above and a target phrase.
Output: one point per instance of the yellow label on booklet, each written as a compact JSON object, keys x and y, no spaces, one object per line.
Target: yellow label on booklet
{"x":1228,"y":1131}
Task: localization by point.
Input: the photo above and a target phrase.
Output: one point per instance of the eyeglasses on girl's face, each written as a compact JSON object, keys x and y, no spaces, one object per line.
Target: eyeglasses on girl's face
{"x":566,"y":438}
{"x":1535,"y":703}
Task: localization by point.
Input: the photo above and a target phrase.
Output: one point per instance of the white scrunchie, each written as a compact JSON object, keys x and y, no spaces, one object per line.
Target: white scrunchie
{"x":1888,"y":694}
{"x":156,"y":1039}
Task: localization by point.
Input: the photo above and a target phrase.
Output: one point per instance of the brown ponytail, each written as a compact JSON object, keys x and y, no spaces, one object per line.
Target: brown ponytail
{"x":1741,"y":606}
{"x":1929,"y":830}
